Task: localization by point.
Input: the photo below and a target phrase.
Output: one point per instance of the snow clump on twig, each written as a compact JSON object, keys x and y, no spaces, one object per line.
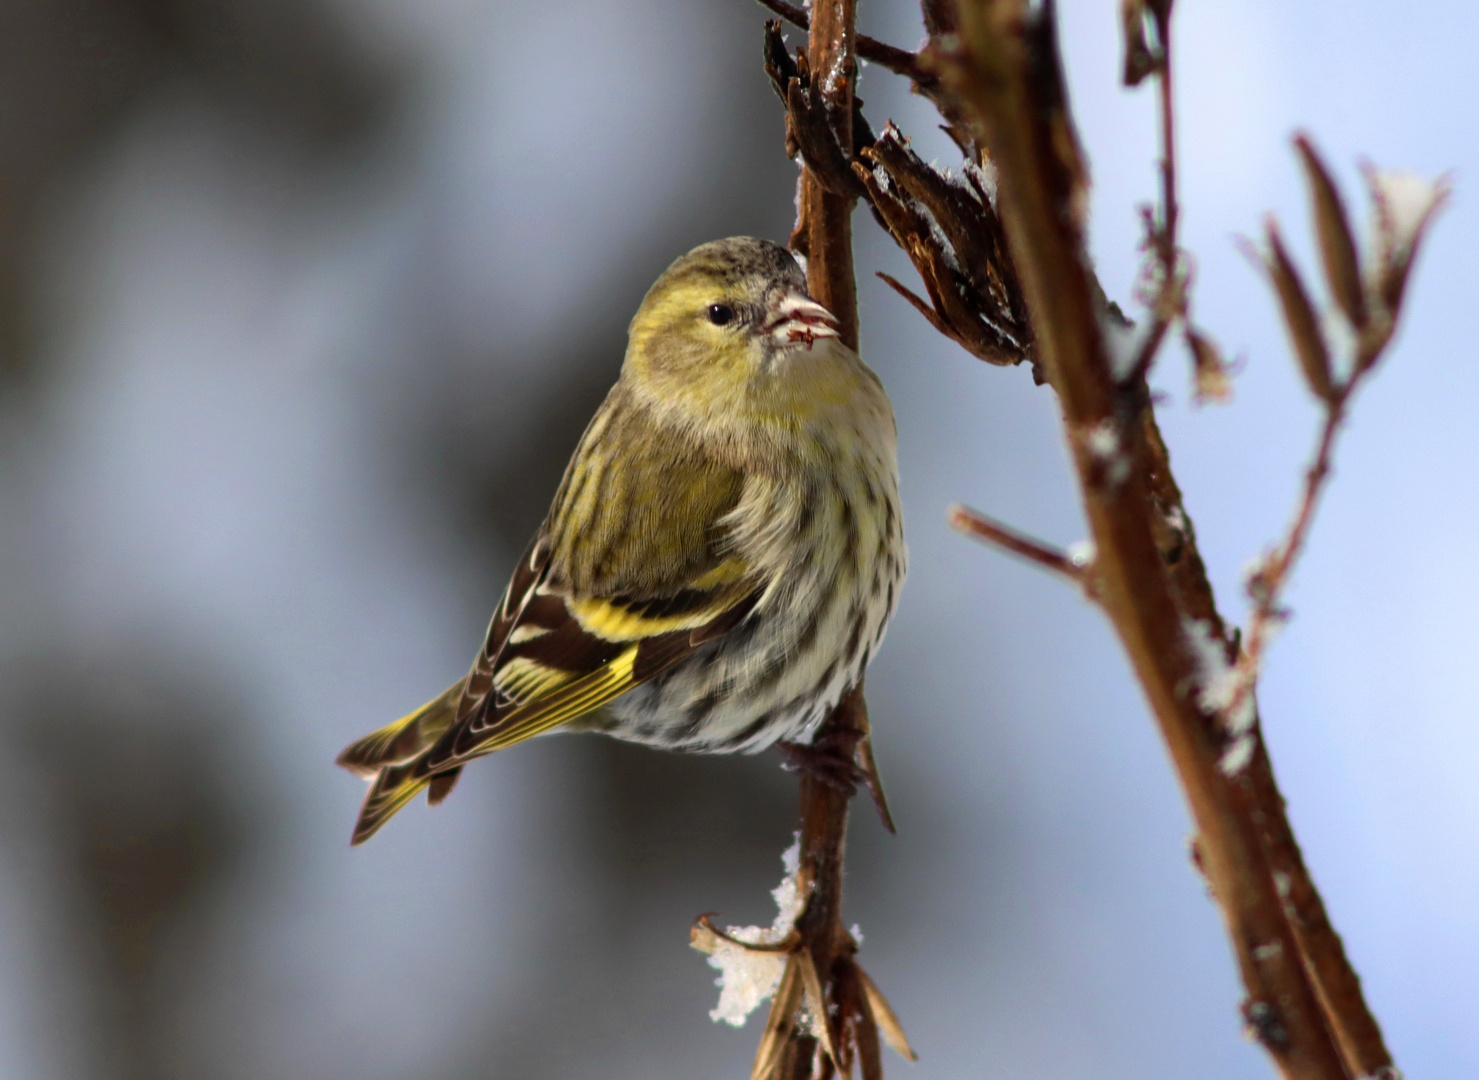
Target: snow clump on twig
{"x":747,"y":977}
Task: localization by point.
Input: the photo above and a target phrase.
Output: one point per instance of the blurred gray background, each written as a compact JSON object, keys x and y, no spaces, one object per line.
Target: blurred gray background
{"x":303,"y":306}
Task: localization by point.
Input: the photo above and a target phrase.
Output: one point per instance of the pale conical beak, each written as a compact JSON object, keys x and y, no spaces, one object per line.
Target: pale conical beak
{"x":799,"y":320}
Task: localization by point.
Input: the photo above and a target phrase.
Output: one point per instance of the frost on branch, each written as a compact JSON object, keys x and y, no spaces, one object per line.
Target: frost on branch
{"x":1082,"y":553}
{"x":1123,"y":341}
{"x":1225,"y":690}
{"x":747,"y":976}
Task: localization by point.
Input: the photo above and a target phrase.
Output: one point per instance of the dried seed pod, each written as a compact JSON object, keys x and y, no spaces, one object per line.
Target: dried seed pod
{"x":1337,"y":244}
{"x":1140,"y":60}
{"x":1212,"y":380}
{"x":1405,"y":207}
{"x":779,"y":1025}
{"x":949,"y":229}
{"x":1299,"y":317}
{"x":883,"y":1015}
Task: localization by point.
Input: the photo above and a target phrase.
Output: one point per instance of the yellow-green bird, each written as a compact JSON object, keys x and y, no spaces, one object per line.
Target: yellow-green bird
{"x":721,"y":558}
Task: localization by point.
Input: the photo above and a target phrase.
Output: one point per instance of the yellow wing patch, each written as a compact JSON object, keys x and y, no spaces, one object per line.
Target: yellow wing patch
{"x":624,"y":621}
{"x":575,"y":698}
{"x":616,"y":622}
{"x":549,"y":658}
{"x":522,"y":679}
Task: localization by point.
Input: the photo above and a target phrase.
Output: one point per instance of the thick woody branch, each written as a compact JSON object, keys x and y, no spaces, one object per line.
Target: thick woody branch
{"x":1007,"y":70}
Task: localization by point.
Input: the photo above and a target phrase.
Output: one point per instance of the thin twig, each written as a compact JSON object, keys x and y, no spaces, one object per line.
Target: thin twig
{"x":899,"y":61}
{"x":1170,"y":211}
{"x":1170,"y":299}
{"x":978,"y":525}
{"x":1266,"y":583}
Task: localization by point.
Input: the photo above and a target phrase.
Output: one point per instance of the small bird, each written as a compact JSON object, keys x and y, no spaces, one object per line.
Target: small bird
{"x":721,"y":558}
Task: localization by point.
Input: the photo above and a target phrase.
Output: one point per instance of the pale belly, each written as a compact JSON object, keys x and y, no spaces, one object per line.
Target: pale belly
{"x":777,"y":675}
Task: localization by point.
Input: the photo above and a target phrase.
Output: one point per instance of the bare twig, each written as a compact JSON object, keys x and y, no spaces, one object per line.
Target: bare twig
{"x":1170,"y":211}
{"x":1008,"y":70}
{"x":825,"y":223}
{"x":1372,"y":320}
{"x":1267,"y":581}
{"x":1167,"y":301}
{"x":978,"y":525}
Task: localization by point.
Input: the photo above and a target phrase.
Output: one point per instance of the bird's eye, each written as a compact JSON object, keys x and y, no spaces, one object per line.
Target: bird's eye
{"x":721,"y":314}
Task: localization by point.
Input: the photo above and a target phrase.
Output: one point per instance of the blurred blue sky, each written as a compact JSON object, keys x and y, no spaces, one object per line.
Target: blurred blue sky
{"x":245,"y":343}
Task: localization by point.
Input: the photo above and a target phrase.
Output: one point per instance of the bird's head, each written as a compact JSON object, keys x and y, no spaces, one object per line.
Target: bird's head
{"x":729,"y":327}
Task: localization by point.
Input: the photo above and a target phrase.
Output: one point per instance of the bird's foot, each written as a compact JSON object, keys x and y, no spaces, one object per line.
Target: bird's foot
{"x":825,"y":763}
{"x":840,"y":770}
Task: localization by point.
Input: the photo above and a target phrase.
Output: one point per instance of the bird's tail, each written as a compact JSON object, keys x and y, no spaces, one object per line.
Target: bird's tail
{"x":388,"y":757}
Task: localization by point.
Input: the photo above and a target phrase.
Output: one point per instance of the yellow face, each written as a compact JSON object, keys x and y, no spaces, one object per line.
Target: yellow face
{"x":728,"y":329}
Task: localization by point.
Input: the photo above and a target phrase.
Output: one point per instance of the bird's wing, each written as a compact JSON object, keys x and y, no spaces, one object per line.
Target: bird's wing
{"x":562,"y":656}
{"x":552,"y":653}
{"x":550,"y":658}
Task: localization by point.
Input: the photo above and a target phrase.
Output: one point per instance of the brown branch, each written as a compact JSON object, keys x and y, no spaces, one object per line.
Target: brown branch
{"x":975,"y":293}
{"x":823,"y":842}
{"x":899,"y":61}
{"x":1007,"y":69}
{"x":1336,"y":981}
{"x":821,"y":972}
{"x":825,"y":224}
{"x":977,"y":525}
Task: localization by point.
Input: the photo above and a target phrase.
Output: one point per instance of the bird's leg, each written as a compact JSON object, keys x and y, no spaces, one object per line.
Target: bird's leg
{"x":825,"y":762}
{"x":841,"y":760}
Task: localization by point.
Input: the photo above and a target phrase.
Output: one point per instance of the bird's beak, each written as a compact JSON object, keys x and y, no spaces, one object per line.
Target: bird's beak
{"x":797,"y":320}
